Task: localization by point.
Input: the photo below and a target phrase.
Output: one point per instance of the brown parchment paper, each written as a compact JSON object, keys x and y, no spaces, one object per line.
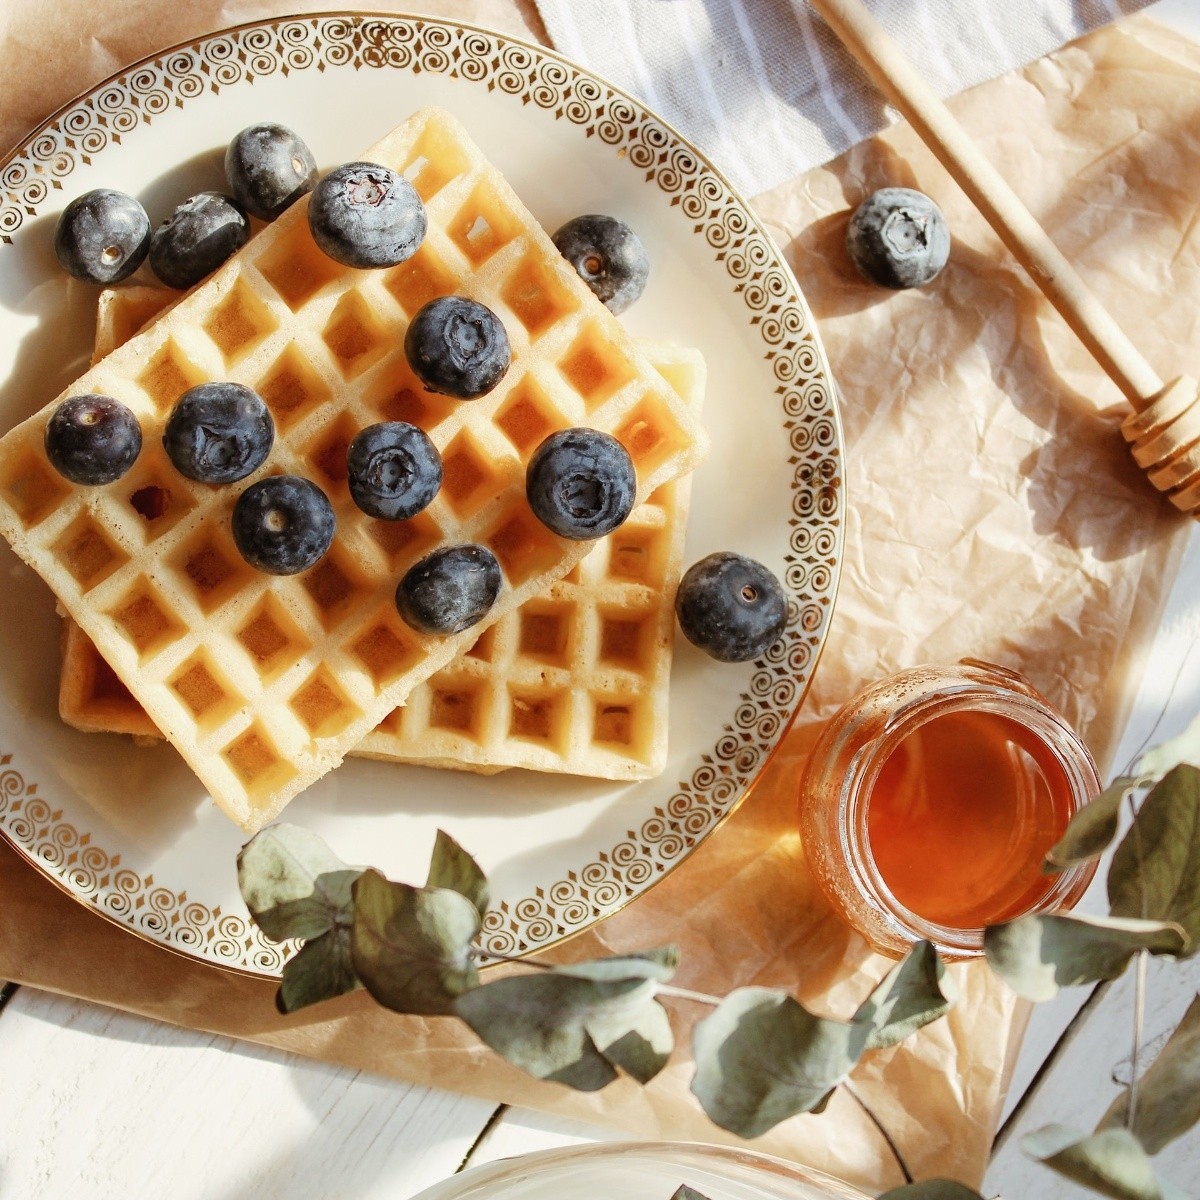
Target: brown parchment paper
{"x":993,"y":511}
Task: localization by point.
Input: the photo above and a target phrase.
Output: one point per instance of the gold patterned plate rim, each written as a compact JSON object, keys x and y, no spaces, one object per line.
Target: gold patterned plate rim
{"x":759,"y":298}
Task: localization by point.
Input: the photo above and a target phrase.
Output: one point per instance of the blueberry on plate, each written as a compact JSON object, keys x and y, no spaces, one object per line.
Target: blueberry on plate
{"x":218,"y":433}
{"x":283,"y":524}
{"x":581,"y":483}
{"x":268,"y":169}
{"x":608,"y":256}
{"x":365,"y":215}
{"x":731,"y":607}
{"x":197,"y":238}
{"x":393,"y":470}
{"x":92,"y":439}
{"x":449,"y":590}
{"x":898,"y":238}
{"x":102,"y":236}
{"x":457,"y":347}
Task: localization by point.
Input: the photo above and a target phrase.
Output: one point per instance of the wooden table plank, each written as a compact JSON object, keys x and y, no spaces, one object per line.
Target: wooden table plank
{"x":99,"y":1104}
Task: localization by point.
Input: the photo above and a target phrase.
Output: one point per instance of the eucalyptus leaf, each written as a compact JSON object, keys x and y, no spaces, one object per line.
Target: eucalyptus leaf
{"x":540,"y":1022}
{"x":1038,"y":954}
{"x":761,"y":1058}
{"x":640,"y":1043}
{"x":1185,"y":748}
{"x":293,"y":884}
{"x":1111,"y":1162}
{"x":320,"y":970}
{"x":932,"y":1189}
{"x":914,"y":993}
{"x":1155,"y":872}
{"x":658,"y":965}
{"x":1093,"y":827}
{"x":683,"y":1192}
{"x":452,"y":867}
{"x":411,"y":947}
{"x":1168,"y":1094}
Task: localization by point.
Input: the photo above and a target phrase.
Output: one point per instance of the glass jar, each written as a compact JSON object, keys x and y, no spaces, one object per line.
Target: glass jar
{"x":935,"y":746}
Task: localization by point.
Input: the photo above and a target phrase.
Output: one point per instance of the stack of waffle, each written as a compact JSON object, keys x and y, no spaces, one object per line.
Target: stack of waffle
{"x":264,"y":683}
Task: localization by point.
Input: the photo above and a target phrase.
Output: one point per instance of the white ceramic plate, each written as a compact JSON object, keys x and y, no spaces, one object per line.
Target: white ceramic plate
{"x":129,"y":831}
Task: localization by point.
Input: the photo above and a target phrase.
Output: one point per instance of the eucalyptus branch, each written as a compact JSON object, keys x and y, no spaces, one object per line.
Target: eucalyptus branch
{"x":666,"y":989}
{"x":883,"y":1132}
{"x":1139,"y":1017}
{"x":485,"y":956}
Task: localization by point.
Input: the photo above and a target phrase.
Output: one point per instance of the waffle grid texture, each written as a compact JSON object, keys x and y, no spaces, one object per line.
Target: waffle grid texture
{"x":264,"y":684}
{"x":576,"y":680}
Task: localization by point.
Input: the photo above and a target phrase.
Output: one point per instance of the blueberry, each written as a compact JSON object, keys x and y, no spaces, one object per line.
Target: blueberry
{"x":449,"y":590}
{"x":898,"y":238}
{"x":197,"y":238}
{"x":283,"y":524}
{"x":393,"y":470}
{"x":609,"y":257}
{"x":457,"y":347}
{"x":218,"y":433}
{"x":731,"y":607}
{"x":365,"y":215}
{"x":92,"y":439}
{"x":102,"y":236}
{"x":268,"y":169}
{"x":581,"y":483}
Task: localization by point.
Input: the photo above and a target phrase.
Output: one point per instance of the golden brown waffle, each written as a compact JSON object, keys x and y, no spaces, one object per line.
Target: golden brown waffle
{"x":264,"y":683}
{"x":575,"y":681}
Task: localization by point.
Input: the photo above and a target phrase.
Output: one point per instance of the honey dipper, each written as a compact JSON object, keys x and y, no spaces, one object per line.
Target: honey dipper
{"x":1164,"y":427}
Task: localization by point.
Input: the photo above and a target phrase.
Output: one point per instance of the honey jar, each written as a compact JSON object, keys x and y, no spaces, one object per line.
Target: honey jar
{"x":931,"y":799}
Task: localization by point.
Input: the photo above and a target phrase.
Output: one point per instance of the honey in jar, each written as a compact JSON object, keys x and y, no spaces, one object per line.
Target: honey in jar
{"x":930,"y":802}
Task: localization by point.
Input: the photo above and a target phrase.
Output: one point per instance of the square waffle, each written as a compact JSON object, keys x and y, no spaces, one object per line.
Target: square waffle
{"x":264,"y":683}
{"x":576,"y":680}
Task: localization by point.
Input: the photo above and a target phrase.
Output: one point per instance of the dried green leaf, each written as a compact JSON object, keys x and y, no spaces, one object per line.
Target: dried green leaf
{"x":540,"y":1022}
{"x":683,"y":1192}
{"x":1155,"y":872}
{"x":1185,"y":748}
{"x":640,"y":1043}
{"x":411,"y":947}
{"x":915,"y":992}
{"x":761,"y":1058}
{"x":932,"y":1189}
{"x":1168,"y":1095}
{"x":320,"y":970}
{"x":1112,"y":1162}
{"x":452,"y":867}
{"x":658,"y":965}
{"x":1037,"y":955}
{"x":1093,"y":827}
{"x":293,"y":884}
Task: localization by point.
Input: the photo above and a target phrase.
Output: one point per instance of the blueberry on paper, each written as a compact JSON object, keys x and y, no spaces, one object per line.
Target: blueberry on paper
{"x":197,"y":238}
{"x":283,"y":524}
{"x":608,"y":256}
{"x":218,"y":433}
{"x":580,"y":483}
{"x":268,"y":168}
{"x":449,"y":590}
{"x":102,"y":236}
{"x":898,"y":238}
{"x":731,"y":606}
{"x":92,"y":440}
{"x":393,"y":470}
{"x":366,"y":215}
{"x":457,"y":347}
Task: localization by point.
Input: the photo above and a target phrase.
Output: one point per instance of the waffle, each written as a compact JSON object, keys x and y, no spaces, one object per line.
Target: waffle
{"x":264,"y":683}
{"x":575,"y":681}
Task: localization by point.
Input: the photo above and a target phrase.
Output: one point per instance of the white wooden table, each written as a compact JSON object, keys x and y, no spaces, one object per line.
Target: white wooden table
{"x":97,"y":1104}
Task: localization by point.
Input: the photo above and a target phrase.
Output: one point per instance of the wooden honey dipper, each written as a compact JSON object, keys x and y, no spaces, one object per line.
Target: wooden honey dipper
{"x":1164,"y":427}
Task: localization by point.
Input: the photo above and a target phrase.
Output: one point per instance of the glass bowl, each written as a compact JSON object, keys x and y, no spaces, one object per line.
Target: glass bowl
{"x":641,"y":1171}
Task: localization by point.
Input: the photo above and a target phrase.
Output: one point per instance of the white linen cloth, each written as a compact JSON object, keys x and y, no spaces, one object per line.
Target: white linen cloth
{"x":766,"y":91}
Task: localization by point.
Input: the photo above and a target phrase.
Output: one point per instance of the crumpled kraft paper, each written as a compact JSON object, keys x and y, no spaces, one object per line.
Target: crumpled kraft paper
{"x":993,"y":512}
